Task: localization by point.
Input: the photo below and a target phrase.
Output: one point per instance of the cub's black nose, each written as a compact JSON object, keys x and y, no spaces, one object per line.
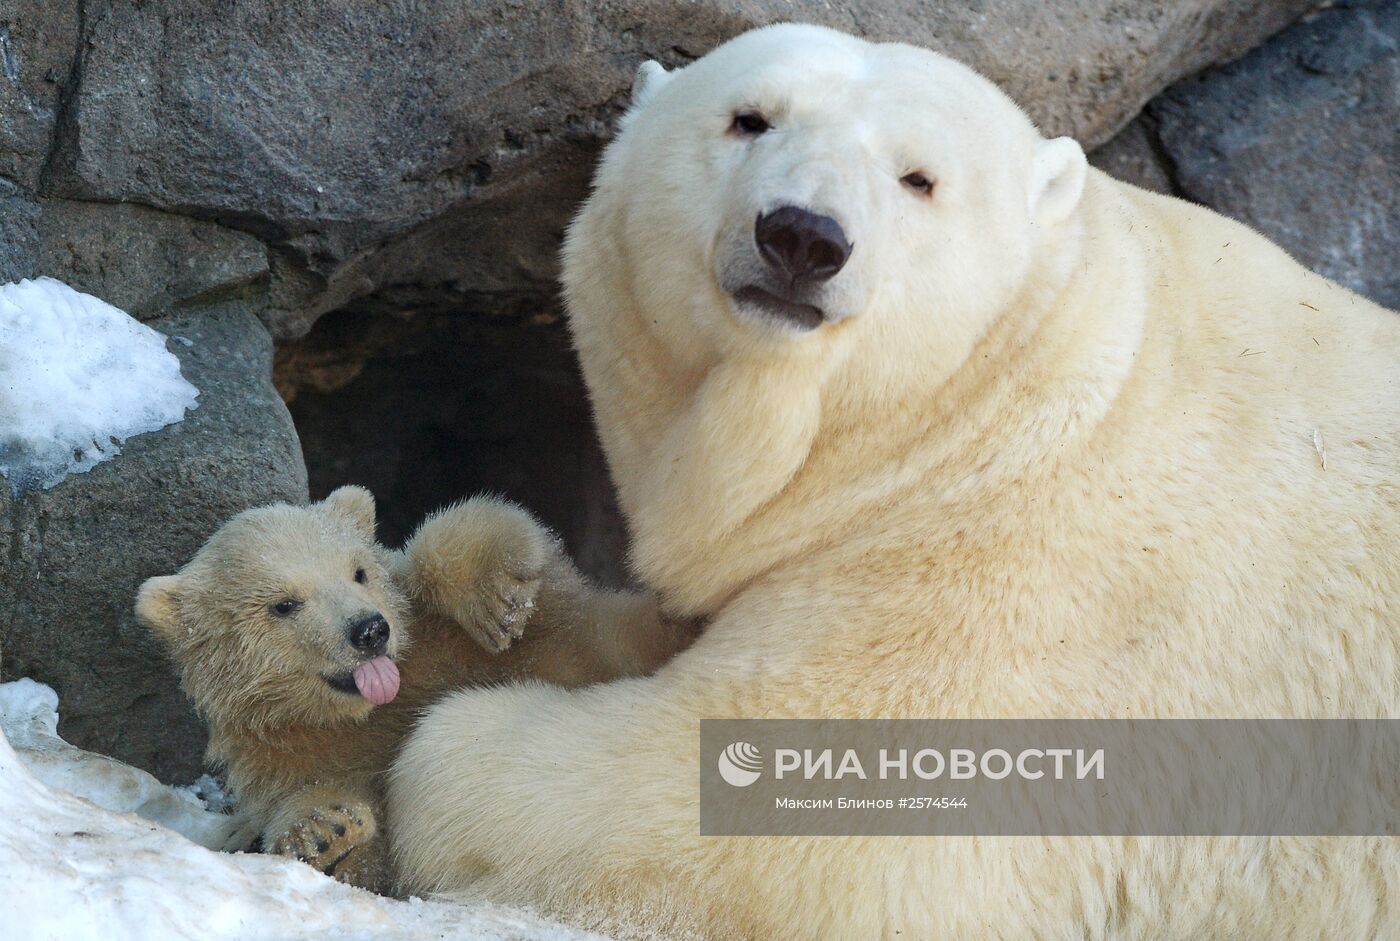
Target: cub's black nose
{"x":801,"y":245}
{"x":370,"y":635}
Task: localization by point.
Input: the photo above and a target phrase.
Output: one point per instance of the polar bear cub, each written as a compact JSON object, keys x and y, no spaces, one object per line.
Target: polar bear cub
{"x":311,"y":649}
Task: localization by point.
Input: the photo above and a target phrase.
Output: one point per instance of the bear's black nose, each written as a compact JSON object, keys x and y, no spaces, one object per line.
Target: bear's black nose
{"x":370,"y":635}
{"x":801,"y":245}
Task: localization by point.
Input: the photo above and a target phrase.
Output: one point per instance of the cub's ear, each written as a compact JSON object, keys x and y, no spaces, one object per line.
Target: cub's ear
{"x":355,"y":504}
{"x":158,"y":606}
{"x":651,"y":76}
{"x":1057,"y":179}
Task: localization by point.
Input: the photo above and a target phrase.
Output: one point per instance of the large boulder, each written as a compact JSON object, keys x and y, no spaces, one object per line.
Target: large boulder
{"x":430,"y":154}
{"x":75,"y":554}
{"x":1298,"y":139}
{"x":19,"y":219}
{"x":1301,"y":139}
{"x":145,"y":261}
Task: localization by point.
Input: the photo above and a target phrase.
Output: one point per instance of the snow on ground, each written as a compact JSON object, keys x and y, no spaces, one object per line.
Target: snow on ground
{"x":73,"y":870}
{"x":77,"y":377}
{"x":29,"y":719}
{"x":209,"y":793}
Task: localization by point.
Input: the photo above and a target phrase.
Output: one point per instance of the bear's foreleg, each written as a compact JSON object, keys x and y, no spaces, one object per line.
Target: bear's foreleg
{"x":599,"y":636}
{"x":577,"y":802}
{"x":488,"y":565}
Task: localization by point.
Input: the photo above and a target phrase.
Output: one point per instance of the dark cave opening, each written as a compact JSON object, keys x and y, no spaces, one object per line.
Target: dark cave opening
{"x":427,"y":409}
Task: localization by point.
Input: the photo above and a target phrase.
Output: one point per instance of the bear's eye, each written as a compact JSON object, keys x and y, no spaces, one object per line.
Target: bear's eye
{"x":360,"y":576}
{"x":285,"y":607}
{"x":919,"y":183}
{"x":749,"y":124}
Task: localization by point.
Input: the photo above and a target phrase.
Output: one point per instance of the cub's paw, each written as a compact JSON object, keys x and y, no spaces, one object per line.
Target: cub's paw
{"x":482,"y":563}
{"x":324,"y":837}
{"x":503,"y":607}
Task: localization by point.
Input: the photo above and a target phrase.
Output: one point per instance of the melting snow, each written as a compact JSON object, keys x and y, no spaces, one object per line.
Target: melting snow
{"x":96,"y":867}
{"x":29,"y":718}
{"x":77,"y":377}
{"x":209,"y":793}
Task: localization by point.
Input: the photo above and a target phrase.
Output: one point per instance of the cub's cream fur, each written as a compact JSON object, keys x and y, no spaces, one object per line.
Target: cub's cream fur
{"x":1057,"y":456}
{"x":481,"y":594}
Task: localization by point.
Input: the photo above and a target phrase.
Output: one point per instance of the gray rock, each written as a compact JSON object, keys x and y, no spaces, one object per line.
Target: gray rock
{"x":38,"y":39}
{"x":431,"y":153}
{"x":145,"y":261}
{"x":1301,"y":139}
{"x":74,"y":555}
{"x":19,"y":236}
{"x":1134,"y":156}
{"x":142,"y":260}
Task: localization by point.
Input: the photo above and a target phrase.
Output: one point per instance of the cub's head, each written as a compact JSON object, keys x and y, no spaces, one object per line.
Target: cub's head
{"x":287,"y":614}
{"x":799,"y":184}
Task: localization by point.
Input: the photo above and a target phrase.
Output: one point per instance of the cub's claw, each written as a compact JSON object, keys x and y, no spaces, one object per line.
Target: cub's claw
{"x":507,"y":602}
{"x":324,"y":837}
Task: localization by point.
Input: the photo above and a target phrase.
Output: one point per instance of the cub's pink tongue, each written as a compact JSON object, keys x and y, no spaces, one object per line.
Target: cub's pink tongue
{"x":377,"y":680}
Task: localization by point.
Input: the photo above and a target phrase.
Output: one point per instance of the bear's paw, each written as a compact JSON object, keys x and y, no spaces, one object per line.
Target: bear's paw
{"x":326,"y":836}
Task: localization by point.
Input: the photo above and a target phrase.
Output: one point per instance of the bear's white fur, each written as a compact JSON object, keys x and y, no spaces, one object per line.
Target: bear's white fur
{"x":1064,"y":449}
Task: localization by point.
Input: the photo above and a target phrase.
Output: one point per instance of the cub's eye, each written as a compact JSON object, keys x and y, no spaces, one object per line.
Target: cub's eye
{"x":360,"y":576}
{"x":749,"y":124}
{"x":919,"y":183}
{"x":285,"y":607}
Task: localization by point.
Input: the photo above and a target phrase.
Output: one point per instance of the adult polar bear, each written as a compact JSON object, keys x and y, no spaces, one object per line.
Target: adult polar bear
{"x":958,"y":427}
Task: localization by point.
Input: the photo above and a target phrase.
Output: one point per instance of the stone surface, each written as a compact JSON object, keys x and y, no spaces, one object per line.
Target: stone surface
{"x":1134,"y":156}
{"x":431,"y":153}
{"x":142,"y":260}
{"x":1301,"y":139}
{"x":19,"y":239}
{"x":38,"y":40}
{"x":71,"y":558}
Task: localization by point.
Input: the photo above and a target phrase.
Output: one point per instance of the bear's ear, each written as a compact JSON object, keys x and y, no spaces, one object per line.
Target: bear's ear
{"x":650,"y":77}
{"x":158,"y":605}
{"x":355,"y":504}
{"x":1057,"y":179}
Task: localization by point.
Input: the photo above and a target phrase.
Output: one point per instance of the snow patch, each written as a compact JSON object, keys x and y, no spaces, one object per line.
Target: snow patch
{"x":72,"y":870}
{"x":29,"y":719}
{"x":209,"y":793}
{"x":77,"y":377}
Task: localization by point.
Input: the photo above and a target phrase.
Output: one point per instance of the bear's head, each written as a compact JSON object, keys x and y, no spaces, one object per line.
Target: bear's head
{"x":798,"y":185}
{"x":287,"y":614}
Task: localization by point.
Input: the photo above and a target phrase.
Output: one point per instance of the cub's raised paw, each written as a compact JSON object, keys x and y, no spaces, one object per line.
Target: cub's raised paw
{"x":324,"y":837}
{"x":481,"y":562}
{"x":505,"y":604}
